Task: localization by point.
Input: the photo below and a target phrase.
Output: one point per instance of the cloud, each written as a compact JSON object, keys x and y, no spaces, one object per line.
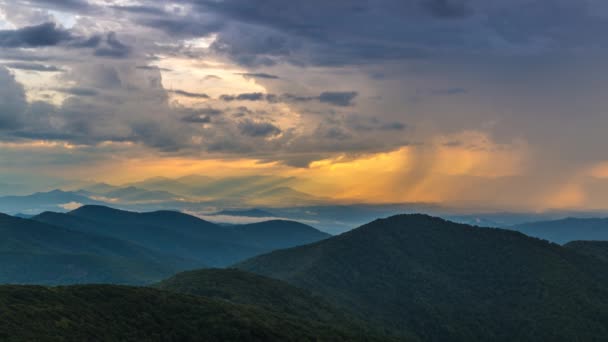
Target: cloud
{"x":140,"y":9}
{"x":112,"y":48}
{"x":152,"y":67}
{"x":189,"y":94}
{"x":78,"y":91}
{"x":259,"y":75}
{"x":47,"y":34}
{"x":393,"y":126}
{"x":202,"y":115}
{"x":71,"y":205}
{"x":197,"y":118}
{"x":447,"y":8}
{"x":337,"y":98}
{"x":66,"y":5}
{"x":258,"y":129}
{"x":33,"y":67}
{"x":12,"y":101}
{"x":211,"y":78}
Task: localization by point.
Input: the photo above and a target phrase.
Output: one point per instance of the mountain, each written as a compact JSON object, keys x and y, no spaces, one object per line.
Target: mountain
{"x":167,"y":232}
{"x":182,"y":235}
{"x":566,"y":230}
{"x":164,"y":184}
{"x":447,"y":281}
{"x":41,"y":201}
{"x":133,"y":194}
{"x":245,"y":213}
{"x":242,"y":287}
{"x":597,"y":249}
{"x":37,"y":253}
{"x":121,"y":313}
{"x":276,"y":234}
{"x":100,"y":188}
{"x":23,"y":216}
{"x":234,"y":191}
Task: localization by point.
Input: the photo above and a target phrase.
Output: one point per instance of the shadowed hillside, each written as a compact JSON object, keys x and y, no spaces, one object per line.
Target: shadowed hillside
{"x":597,"y":249}
{"x":448,"y":281}
{"x":119,"y":313}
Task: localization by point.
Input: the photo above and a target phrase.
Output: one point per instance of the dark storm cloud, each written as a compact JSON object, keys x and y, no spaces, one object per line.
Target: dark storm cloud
{"x":33,"y":67}
{"x":336,"y":98}
{"x":447,"y":91}
{"x":202,"y":115}
{"x":66,"y":5}
{"x":151,"y":67}
{"x":182,"y":26}
{"x":189,"y":94}
{"x":258,"y":129}
{"x":393,"y":126}
{"x":47,"y":34}
{"x":113,"y":48}
{"x":78,"y":91}
{"x":140,"y":9}
{"x":259,"y":75}
{"x":447,"y":8}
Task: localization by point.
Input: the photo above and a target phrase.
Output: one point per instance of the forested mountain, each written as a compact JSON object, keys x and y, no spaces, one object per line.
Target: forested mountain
{"x":38,"y":253}
{"x":121,"y":313}
{"x":186,"y":236}
{"x":447,"y":281}
{"x":597,"y":249}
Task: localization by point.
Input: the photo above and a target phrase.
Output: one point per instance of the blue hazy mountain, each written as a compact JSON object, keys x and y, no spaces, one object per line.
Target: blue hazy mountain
{"x":41,"y":201}
{"x":38,"y":253}
{"x":566,"y":230}
{"x":278,"y":234}
{"x":245,"y":213}
{"x":183,"y":235}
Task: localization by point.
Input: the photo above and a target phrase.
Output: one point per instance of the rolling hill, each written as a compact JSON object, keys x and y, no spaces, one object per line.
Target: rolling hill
{"x":446,"y":281}
{"x":242,"y":287}
{"x":32,"y":252}
{"x":121,"y":313}
{"x":276,"y":234}
{"x":183,"y":235}
{"x":566,"y":230}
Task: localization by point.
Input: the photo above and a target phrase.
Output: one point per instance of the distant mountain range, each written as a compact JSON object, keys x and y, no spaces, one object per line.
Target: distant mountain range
{"x":245,"y":213}
{"x":440,"y":280}
{"x":41,"y":201}
{"x":566,"y":230}
{"x":102,"y":244}
{"x":33,"y":252}
{"x":406,"y":277}
{"x":185,"y":236}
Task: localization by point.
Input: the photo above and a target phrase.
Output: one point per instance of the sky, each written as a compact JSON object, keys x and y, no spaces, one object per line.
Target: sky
{"x":481,"y":103}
